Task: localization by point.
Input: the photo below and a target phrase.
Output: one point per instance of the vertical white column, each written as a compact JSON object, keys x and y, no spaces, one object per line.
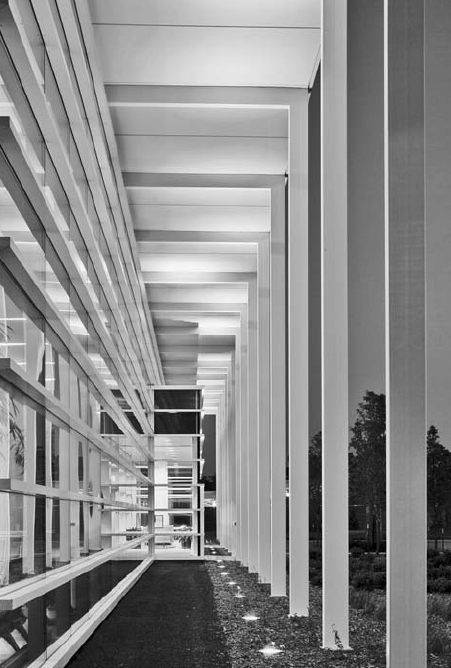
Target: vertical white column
{"x":334,"y":243}
{"x":219,"y":471}
{"x":225,"y":476}
{"x":240,"y":528}
{"x":218,"y":449}
{"x":278,"y":391}
{"x":405,"y":332}
{"x":253,"y":451}
{"x":244,"y":437}
{"x":264,"y":403}
{"x":298,"y":355}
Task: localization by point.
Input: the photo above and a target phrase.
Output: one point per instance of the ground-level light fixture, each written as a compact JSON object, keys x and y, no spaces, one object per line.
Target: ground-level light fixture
{"x":271,"y":649}
{"x":232,"y":582}
{"x":250,"y":617}
{"x":224,"y":573}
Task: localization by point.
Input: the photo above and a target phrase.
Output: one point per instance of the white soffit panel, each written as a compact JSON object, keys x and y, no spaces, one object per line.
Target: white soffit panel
{"x":199,"y":263}
{"x":192,"y":56}
{"x":205,"y":218}
{"x":284,"y":13}
{"x":203,"y":155}
{"x":199,"y":121}
{"x":258,"y":197}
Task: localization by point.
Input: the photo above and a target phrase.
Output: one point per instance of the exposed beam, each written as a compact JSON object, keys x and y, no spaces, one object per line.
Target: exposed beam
{"x":202,"y":96}
{"x":172,"y":180}
{"x":164,"y":307}
{"x":196,"y":236}
{"x":197,"y":278}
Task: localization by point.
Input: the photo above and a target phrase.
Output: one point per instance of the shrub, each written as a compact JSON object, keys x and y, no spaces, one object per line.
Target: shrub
{"x":379,"y":565}
{"x":363,"y":580}
{"x":370,"y":603}
{"x":442,"y":585}
{"x":357,"y":551}
{"x":316,"y":579}
{"x":379,"y":580}
{"x":440,"y":606}
{"x":380,"y":610}
{"x":315,"y":553}
{"x":362,"y":544}
{"x":439,"y":641}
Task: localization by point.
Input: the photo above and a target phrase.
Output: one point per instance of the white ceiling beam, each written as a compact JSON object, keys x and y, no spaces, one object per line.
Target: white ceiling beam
{"x":197,"y":154}
{"x":186,"y":278}
{"x":183,"y":180}
{"x":262,"y":13}
{"x":202,"y":96}
{"x":162,"y":307}
{"x":196,"y":236}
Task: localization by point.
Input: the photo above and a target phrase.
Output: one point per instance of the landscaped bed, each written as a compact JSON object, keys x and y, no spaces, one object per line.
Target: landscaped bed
{"x":300,"y":638}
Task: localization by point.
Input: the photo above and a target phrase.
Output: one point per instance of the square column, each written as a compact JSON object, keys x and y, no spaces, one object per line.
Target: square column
{"x":253,"y":450}
{"x":242,"y":445}
{"x":264,"y":403}
{"x":240,"y":537}
{"x":278,"y":391}
{"x":405,"y":333}
{"x":243,"y":464}
{"x":298,"y":355}
{"x":334,"y":304}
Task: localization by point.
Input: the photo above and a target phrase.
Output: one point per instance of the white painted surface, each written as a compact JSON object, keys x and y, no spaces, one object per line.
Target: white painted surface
{"x":200,"y":196}
{"x":214,"y":121}
{"x":278,"y":371}
{"x":191,"y":56}
{"x":298,"y":358}
{"x":335,"y":432}
{"x":201,"y":155}
{"x":205,"y":12}
{"x":201,"y":217}
{"x":405,"y":323}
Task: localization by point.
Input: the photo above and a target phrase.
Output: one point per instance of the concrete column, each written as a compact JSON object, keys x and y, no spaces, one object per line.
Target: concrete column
{"x":253,"y":452}
{"x":218,"y":449}
{"x":264,"y":505}
{"x":298,"y":355}
{"x":231,"y":464}
{"x":242,"y":425}
{"x":405,"y":333}
{"x":222,"y":472}
{"x":334,"y":241}
{"x":240,"y":529}
{"x":278,"y":391}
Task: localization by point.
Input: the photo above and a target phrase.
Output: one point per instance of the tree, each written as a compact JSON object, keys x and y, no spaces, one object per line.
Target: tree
{"x":438,"y":482}
{"x":315,"y":488}
{"x":367,"y":463}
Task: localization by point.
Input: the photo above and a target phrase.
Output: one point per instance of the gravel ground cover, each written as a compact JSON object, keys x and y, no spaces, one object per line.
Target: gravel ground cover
{"x":301,"y":637}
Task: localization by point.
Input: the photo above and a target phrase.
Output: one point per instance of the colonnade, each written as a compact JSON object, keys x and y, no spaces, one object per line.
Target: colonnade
{"x":265,"y":413}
